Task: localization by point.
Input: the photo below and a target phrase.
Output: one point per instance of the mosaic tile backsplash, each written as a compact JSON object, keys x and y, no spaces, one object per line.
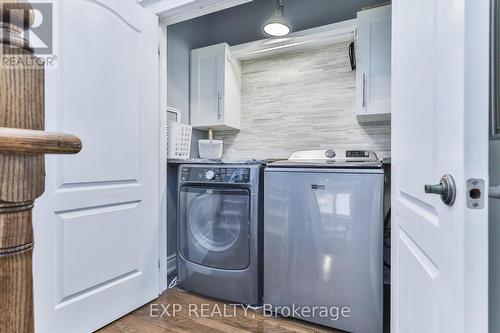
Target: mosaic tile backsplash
{"x":299,"y":101}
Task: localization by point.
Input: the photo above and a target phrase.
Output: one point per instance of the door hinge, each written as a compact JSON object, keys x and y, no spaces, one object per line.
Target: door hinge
{"x":159,"y":264}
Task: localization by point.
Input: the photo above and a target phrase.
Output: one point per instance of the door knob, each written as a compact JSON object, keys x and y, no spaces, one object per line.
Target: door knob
{"x":446,"y":189}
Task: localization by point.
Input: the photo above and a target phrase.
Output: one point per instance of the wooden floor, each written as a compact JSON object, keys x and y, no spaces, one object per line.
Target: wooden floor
{"x":200,"y":320}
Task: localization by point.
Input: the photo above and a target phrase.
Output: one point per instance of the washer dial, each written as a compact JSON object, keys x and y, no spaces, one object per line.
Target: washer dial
{"x":330,"y":153}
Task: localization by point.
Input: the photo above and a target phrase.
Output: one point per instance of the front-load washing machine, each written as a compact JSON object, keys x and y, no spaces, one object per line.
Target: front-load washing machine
{"x":220,"y":231}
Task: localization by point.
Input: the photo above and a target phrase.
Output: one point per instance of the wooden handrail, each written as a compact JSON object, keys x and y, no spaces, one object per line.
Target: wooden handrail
{"x":22,"y":141}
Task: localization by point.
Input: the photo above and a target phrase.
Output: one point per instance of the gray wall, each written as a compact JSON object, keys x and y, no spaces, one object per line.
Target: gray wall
{"x":172,"y":172}
{"x":301,"y":101}
{"x":239,"y":25}
{"x":181,"y":40}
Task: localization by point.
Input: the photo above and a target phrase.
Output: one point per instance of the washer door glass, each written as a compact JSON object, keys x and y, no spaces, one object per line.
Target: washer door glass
{"x":214,"y":226}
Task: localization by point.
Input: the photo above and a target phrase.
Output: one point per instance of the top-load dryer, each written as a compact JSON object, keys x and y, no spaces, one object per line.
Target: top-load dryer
{"x":323,"y":239}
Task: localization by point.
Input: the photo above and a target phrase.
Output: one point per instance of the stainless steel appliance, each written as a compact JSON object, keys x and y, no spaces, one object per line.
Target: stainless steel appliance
{"x":323,"y":238}
{"x":220,"y":231}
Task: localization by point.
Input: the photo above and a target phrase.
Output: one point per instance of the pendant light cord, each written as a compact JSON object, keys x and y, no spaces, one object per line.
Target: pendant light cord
{"x":280,"y":7}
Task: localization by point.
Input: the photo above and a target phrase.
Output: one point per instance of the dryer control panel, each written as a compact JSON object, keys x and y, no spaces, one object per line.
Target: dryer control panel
{"x":215,"y":175}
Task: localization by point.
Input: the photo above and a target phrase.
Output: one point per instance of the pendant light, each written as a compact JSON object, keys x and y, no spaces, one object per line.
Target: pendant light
{"x":277,"y":26}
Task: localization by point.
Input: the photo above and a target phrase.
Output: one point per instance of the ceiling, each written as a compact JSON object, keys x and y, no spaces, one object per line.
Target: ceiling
{"x":244,"y":23}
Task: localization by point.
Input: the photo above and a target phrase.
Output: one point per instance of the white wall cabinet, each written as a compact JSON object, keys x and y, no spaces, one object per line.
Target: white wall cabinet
{"x":215,"y":94}
{"x":373,"y":74}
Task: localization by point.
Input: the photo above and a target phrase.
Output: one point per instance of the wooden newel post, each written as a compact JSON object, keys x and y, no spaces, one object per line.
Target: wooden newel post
{"x":23,"y":144}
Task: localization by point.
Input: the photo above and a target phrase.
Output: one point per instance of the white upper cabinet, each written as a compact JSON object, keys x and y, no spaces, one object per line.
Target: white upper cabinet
{"x":215,"y":94}
{"x":373,"y":74}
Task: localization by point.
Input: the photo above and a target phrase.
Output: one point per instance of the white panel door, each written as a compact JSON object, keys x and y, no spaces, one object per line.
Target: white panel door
{"x":97,"y":225}
{"x":440,"y":86}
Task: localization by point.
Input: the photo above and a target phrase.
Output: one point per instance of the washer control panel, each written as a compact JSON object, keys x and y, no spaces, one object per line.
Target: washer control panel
{"x":335,"y":155}
{"x":215,"y":175}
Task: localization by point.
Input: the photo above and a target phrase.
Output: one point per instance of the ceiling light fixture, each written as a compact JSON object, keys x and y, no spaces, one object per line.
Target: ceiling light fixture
{"x":277,"y":26}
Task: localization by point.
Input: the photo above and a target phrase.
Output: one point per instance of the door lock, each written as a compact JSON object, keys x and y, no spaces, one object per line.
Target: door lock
{"x":475,"y":193}
{"x":446,"y":189}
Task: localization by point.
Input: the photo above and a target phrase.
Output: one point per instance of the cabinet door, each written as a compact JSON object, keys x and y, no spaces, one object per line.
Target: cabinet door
{"x":207,"y":85}
{"x":374,"y":64}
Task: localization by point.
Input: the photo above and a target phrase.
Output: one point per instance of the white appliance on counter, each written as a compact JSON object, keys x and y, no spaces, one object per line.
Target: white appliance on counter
{"x":179,"y":135}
